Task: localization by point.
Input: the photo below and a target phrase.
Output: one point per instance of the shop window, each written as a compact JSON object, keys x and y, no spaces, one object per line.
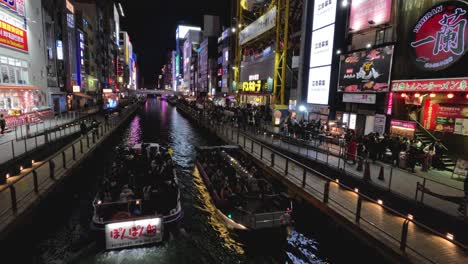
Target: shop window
{"x":380,"y":37}
{"x":13,"y":71}
{"x":4,"y":72}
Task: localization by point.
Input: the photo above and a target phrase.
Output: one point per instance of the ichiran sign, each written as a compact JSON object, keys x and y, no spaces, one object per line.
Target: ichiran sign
{"x":440,"y":37}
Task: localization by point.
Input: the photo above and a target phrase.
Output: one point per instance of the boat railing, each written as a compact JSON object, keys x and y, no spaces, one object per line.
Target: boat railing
{"x":106,"y":211}
{"x":273,"y":219}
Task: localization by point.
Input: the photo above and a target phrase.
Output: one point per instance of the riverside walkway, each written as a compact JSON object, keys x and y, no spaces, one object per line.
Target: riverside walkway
{"x":23,"y":139}
{"x":403,"y":234}
{"x":23,"y":191}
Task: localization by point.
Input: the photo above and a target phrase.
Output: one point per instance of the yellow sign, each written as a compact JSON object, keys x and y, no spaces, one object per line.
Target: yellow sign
{"x":252,"y":86}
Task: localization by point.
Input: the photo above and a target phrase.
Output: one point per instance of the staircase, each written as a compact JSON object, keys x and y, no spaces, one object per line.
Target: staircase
{"x":427,"y":139}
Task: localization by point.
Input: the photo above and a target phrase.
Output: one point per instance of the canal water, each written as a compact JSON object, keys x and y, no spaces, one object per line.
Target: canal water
{"x":59,"y":233}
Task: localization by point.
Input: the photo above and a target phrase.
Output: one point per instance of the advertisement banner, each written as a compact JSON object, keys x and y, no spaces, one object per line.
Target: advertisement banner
{"x":133,"y":233}
{"x":13,"y":37}
{"x":359,"y":98}
{"x":369,"y":13}
{"x":366,"y":71}
{"x":431,"y":85}
{"x":440,"y":36}
{"x":404,"y":124}
{"x":451,"y":118}
{"x":319,"y":85}
{"x":461,"y":168}
{"x":324,"y":13}
{"x":258,"y":27}
{"x":379,"y":124}
{"x":321,"y":51}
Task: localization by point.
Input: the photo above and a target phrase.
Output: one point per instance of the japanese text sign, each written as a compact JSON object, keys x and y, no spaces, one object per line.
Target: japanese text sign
{"x":13,"y":37}
{"x":252,"y":86}
{"x":440,"y":37}
{"x":431,"y":85}
{"x":404,"y":124}
{"x":133,"y":233}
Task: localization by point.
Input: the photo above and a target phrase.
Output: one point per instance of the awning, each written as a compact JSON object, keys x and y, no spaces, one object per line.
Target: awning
{"x":83,"y":95}
{"x":19,"y":87}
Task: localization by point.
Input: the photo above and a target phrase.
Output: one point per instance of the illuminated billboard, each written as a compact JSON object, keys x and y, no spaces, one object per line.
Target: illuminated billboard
{"x":367,"y":13}
{"x":134,"y":233}
{"x":319,"y":85}
{"x":183,"y":30}
{"x":321,"y":51}
{"x":324,"y":13}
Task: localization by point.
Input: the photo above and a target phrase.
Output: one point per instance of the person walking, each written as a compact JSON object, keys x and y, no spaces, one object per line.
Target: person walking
{"x":2,"y":124}
{"x":351,"y":150}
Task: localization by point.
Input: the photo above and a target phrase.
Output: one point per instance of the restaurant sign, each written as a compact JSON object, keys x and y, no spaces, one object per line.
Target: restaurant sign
{"x":440,"y":37}
{"x":134,"y":233}
{"x":257,"y":86}
{"x":403,"y":124}
{"x":366,"y":71}
{"x":431,"y":85}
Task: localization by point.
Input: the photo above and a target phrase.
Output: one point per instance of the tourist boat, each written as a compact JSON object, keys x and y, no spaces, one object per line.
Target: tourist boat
{"x":255,"y":206}
{"x":138,"y":202}
{"x":172,"y":100}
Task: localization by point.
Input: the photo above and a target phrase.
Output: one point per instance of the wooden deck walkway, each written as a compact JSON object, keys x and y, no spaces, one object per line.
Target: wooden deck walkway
{"x":29,"y":187}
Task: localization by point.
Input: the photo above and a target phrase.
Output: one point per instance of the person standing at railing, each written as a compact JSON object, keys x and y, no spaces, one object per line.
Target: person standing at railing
{"x":2,"y":124}
{"x":351,"y":148}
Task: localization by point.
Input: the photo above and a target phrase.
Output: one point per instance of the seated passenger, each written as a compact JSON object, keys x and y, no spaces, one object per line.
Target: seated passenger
{"x":126,"y":194}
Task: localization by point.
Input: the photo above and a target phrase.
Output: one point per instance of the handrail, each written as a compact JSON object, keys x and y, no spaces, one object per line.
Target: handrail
{"x":328,"y":152}
{"x":393,"y":211}
{"x":427,"y":132}
{"x":42,"y":163}
{"x":351,"y":190}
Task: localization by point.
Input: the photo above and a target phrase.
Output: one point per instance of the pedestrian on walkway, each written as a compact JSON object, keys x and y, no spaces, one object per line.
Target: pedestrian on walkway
{"x":83,"y":128}
{"x":351,"y":150}
{"x":2,"y":124}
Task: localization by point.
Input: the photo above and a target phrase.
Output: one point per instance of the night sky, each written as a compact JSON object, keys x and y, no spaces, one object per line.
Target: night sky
{"x":152,"y":26}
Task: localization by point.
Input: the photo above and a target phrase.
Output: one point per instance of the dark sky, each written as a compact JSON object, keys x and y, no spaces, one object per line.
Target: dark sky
{"x":151,"y":25}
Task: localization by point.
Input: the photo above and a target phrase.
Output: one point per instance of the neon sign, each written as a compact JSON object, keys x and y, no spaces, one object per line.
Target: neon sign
{"x":440,"y":37}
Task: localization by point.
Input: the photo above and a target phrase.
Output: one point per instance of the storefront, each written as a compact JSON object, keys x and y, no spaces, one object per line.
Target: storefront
{"x":404,"y":129}
{"x":439,"y":105}
{"x":256,"y":92}
{"x":17,"y":100}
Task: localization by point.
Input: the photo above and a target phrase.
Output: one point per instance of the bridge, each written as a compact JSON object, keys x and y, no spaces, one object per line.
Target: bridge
{"x":155,"y":92}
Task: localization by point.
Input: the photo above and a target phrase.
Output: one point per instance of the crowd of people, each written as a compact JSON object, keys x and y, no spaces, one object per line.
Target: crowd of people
{"x":231,"y":183}
{"x":146,"y":173}
{"x":373,"y":147}
{"x":389,"y":149}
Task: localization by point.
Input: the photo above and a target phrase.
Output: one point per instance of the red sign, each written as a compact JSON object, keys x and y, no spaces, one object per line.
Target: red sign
{"x":9,"y":3}
{"x":440,"y":37}
{"x":405,"y":124}
{"x":434,"y":85}
{"x":13,"y":37}
{"x":363,"y":11}
{"x":390,"y":104}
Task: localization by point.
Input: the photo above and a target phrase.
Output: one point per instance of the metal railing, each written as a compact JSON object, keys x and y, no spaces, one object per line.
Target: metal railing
{"x":45,"y":173}
{"x":319,"y":186}
{"x":427,"y":132}
{"x":25,"y":142}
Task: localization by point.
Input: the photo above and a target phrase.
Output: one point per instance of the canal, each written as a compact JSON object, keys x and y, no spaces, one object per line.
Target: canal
{"x":59,"y":232}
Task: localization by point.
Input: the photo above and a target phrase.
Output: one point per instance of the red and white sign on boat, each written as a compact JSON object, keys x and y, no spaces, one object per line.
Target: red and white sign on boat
{"x":134,"y":233}
{"x":431,"y":85}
